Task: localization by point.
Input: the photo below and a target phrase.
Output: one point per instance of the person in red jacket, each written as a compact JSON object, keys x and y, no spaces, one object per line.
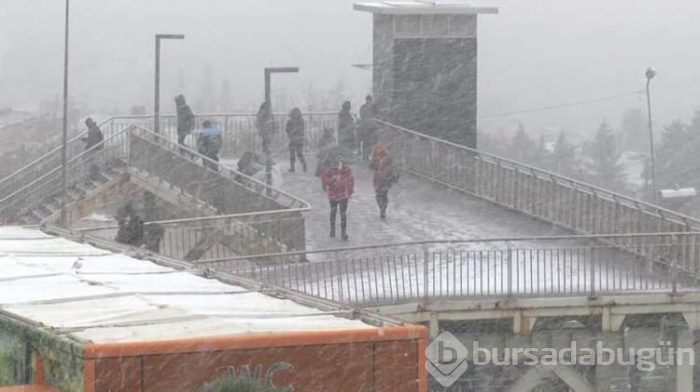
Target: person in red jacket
{"x":385,"y":176}
{"x":339,"y":184}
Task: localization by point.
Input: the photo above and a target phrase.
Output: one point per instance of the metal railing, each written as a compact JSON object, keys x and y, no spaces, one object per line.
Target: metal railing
{"x":568,"y":203}
{"x":38,"y":180}
{"x":238,"y":129}
{"x":239,"y":135}
{"x":192,"y":172}
{"x":223,"y":236}
{"x":41,"y":186}
{"x":49,"y":161}
{"x":497,"y":268}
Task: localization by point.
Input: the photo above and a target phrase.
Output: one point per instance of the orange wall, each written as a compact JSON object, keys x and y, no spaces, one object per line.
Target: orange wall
{"x":390,"y":362}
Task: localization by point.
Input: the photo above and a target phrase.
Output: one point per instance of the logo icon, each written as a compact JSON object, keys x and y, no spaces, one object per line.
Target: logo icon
{"x":447,"y":359}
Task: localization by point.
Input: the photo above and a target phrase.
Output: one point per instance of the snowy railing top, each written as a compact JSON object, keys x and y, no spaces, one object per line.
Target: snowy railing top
{"x":642,"y":206}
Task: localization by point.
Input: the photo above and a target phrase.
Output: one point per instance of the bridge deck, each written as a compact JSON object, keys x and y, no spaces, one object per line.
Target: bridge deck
{"x":418,"y":211}
{"x":421,"y":211}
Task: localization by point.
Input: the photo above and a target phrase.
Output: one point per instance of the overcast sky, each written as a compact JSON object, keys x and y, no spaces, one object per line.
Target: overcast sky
{"x":535,"y":53}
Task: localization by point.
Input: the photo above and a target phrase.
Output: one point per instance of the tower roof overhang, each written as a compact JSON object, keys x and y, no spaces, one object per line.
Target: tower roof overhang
{"x":419,"y":7}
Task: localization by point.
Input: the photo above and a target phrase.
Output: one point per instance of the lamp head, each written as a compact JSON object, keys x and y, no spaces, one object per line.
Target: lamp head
{"x":651,"y":73}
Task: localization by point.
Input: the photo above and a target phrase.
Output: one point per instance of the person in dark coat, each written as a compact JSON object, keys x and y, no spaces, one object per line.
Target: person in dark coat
{"x":295,"y":131}
{"x":185,"y":119}
{"x":339,"y":184}
{"x":93,"y":141}
{"x":209,"y":144}
{"x":94,"y":135}
{"x":346,"y":128}
{"x":385,"y":176}
{"x":130,"y":226}
{"x":265,"y":123}
{"x":368,"y":128}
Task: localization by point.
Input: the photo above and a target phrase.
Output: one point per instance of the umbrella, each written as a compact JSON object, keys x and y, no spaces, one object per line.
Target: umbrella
{"x":334,"y":155}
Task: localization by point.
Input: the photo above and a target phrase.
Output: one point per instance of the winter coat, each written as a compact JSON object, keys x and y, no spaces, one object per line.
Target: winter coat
{"x":338,"y":182}
{"x":367,"y":124}
{"x":130,"y":230}
{"x":385,"y":173}
{"x":210,"y":141}
{"x":185,"y":119}
{"x":94,"y":137}
{"x":295,"y":131}
{"x":346,"y":129}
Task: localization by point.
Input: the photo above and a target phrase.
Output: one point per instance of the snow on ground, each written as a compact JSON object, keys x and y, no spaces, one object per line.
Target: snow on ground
{"x":421,"y":211}
{"x":418,"y":211}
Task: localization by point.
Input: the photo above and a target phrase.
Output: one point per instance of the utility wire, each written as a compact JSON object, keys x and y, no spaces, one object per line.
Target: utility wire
{"x":563,"y":105}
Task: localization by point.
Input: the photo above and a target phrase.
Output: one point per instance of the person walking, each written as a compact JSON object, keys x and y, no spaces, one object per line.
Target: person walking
{"x":265,"y":123}
{"x":93,"y":143}
{"x":209,"y":144}
{"x":346,"y":128}
{"x":94,"y":135}
{"x":185,"y":119}
{"x":368,"y":128}
{"x":295,"y":131}
{"x":339,"y":184}
{"x":385,"y":176}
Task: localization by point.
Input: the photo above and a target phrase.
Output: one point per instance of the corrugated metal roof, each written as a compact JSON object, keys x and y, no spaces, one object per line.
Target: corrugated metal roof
{"x":412,"y":7}
{"x":100,"y":296}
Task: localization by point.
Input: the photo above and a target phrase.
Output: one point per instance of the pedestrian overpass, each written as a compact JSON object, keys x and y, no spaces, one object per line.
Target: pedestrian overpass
{"x":521,"y":253}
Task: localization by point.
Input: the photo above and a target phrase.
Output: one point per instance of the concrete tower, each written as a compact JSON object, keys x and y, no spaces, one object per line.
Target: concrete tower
{"x":425,"y":66}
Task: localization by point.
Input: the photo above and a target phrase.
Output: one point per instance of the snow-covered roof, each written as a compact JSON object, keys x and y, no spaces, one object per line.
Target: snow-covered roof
{"x":102,"y":297}
{"x":414,"y":7}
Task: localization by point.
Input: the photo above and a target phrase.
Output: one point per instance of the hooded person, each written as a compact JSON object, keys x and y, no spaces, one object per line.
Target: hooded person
{"x":185,"y":119}
{"x":385,"y":176}
{"x":346,"y":127}
{"x":265,"y":123}
{"x":339,"y":184}
{"x":93,"y":143}
{"x":295,"y":132}
{"x":94,"y":135}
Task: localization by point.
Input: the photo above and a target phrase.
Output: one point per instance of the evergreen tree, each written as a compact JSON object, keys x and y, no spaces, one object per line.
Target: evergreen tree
{"x":522,"y":148}
{"x":563,"y":159}
{"x":606,"y":169}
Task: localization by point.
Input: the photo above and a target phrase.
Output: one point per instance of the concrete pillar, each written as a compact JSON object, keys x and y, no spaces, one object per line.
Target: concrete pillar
{"x":611,"y":322}
{"x":684,"y":368}
{"x":434,"y":327}
{"x":522,"y":325}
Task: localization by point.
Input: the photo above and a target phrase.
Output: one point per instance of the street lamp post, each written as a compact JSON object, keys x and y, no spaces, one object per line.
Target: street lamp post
{"x":156,"y":105}
{"x":650,"y":74}
{"x":268,"y":101}
{"x":64,"y":145}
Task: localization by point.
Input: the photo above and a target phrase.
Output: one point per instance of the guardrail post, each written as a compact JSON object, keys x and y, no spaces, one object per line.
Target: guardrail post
{"x":510,"y":269}
{"x":591,"y":251}
{"x":426,"y":275}
{"x":674,"y":274}
{"x":340,"y":278}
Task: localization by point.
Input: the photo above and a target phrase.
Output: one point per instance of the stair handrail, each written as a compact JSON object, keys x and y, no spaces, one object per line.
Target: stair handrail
{"x":57,"y":169}
{"x":44,"y":157}
{"x":231,"y":174}
{"x":561,"y":179}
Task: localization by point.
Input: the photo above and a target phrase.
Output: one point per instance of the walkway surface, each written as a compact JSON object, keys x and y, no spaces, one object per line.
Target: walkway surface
{"x":418,"y":211}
